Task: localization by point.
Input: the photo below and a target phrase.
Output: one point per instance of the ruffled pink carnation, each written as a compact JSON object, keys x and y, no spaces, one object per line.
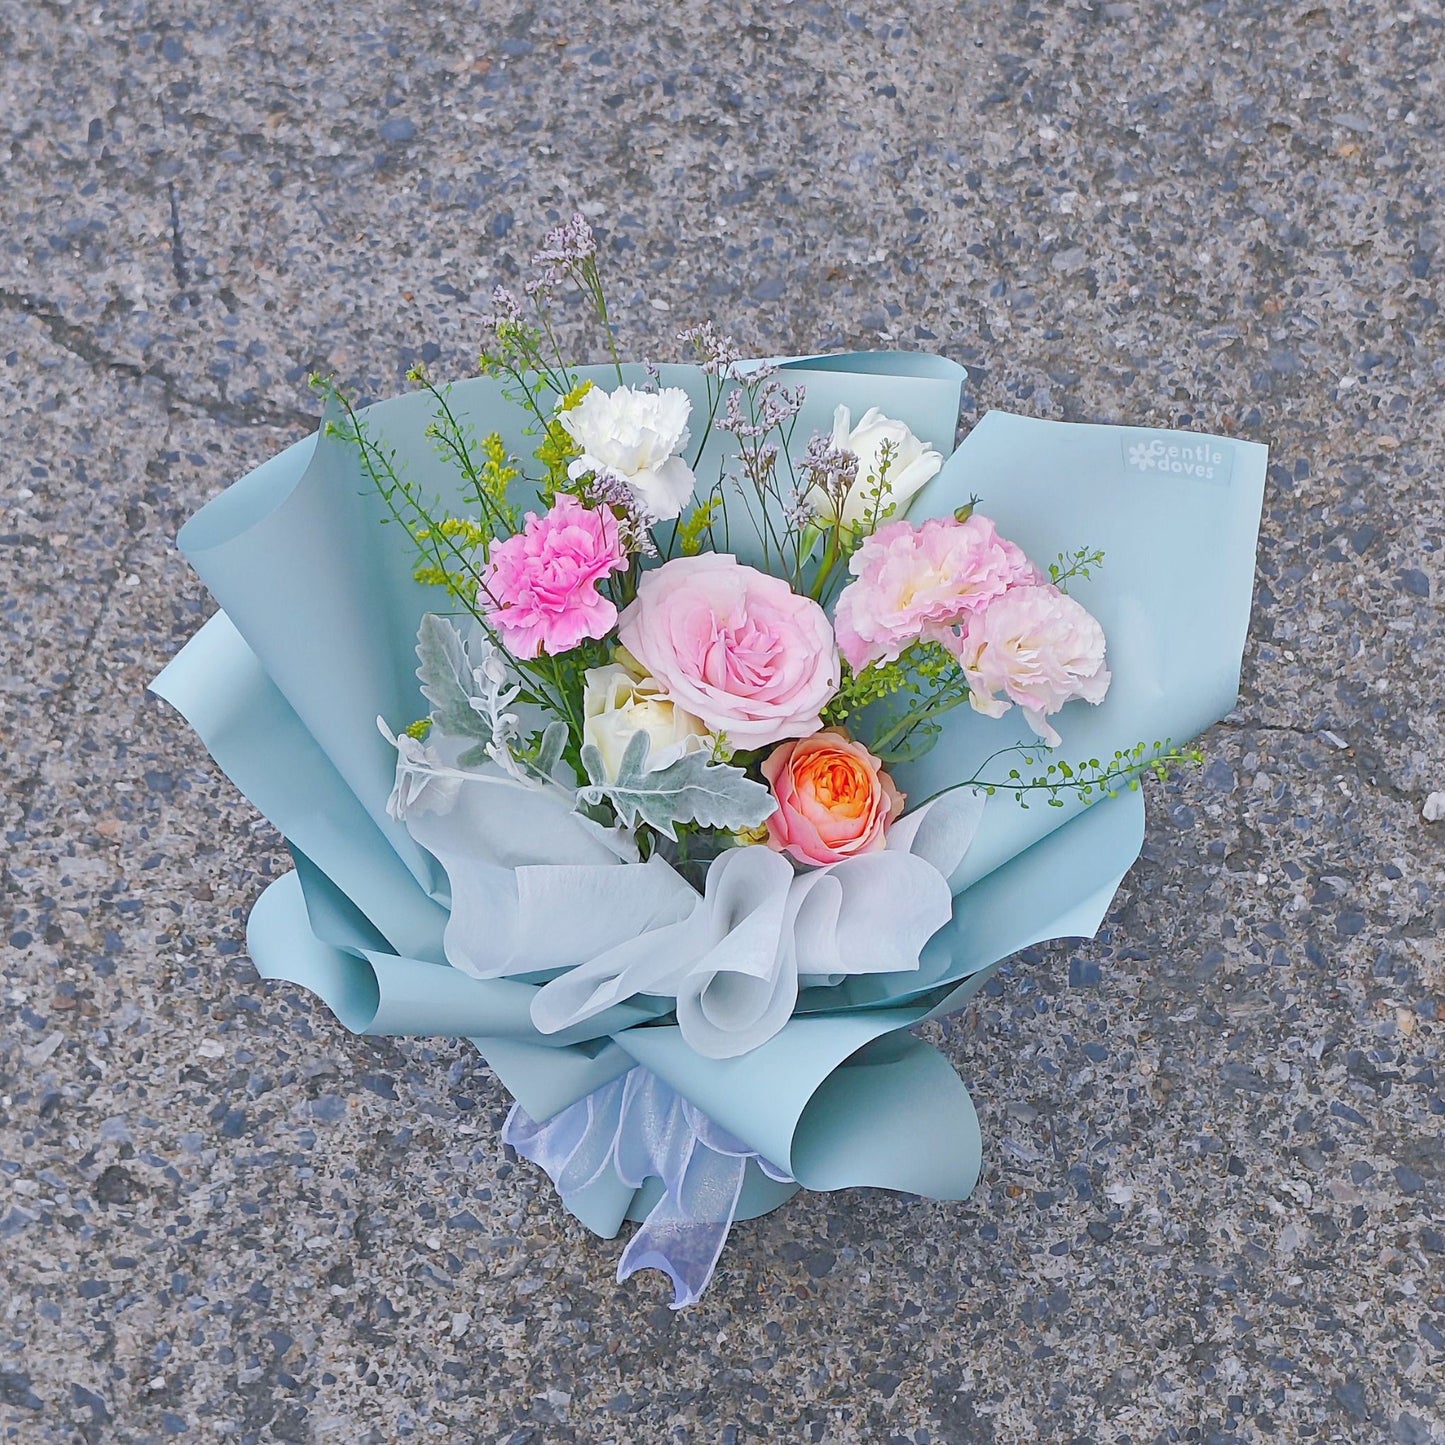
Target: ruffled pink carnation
{"x":1037,"y":647}
{"x":540,"y":586}
{"x":920,"y":582}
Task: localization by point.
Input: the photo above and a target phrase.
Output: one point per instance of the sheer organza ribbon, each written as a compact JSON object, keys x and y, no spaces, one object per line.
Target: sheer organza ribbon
{"x":643,"y":1129}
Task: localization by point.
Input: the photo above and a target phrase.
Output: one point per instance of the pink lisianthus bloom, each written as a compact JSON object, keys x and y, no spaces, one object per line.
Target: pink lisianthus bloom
{"x":539,"y":589}
{"x":734,"y":647}
{"x":1037,"y":647}
{"x":834,"y":799}
{"x":920,"y":582}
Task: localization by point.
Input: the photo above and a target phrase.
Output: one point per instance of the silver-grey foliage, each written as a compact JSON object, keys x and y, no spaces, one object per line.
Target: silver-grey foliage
{"x":693,"y":789}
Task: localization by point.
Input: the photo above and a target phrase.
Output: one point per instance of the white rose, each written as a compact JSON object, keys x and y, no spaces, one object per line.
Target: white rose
{"x":615,"y":704}
{"x":635,"y":435}
{"x":911,"y":464}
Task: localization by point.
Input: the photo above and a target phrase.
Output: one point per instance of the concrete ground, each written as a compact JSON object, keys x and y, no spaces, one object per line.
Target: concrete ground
{"x":1212,"y":1200}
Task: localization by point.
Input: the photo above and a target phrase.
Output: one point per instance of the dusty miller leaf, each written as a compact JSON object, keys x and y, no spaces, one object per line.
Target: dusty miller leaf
{"x":548,"y":762}
{"x":447,"y":681}
{"x":693,"y":789}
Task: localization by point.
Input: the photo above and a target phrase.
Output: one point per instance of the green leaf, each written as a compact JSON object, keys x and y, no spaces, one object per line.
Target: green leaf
{"x":446,"y":677}
{"x":693,"y":789}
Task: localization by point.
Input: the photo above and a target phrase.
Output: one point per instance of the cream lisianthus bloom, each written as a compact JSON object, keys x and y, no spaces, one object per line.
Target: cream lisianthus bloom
{"x":635,"y":436}
{"x":615,"y":705}
{"x":911,"y":464}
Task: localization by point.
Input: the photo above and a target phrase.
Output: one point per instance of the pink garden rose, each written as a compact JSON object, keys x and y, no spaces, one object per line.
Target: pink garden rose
{"x":734,"y":647}
{"x":920,"y":582}
{"x":539,"y":589}
{"x":1040,"y":649}
{"x":834,"y":799}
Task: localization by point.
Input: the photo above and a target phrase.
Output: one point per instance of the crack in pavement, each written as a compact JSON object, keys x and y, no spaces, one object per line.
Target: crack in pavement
{"x":80,"y":343}
{"x":1358,"y":759}
{"x":1249,"y":725}
{"x":178,"y":245}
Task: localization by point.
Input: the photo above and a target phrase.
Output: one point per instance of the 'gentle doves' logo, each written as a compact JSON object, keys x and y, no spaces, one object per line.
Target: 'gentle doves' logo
{"x":1207,"y":459}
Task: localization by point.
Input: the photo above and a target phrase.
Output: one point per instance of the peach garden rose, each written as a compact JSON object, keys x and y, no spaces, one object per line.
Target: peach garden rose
{"x":834,"y":799}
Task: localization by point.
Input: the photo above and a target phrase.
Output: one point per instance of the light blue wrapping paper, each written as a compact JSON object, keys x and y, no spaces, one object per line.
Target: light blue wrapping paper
{"x":316,"y":636}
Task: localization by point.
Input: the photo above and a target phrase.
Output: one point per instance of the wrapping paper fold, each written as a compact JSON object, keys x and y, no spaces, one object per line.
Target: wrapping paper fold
{"x":315,"y":638}
{"x":733,"y":958}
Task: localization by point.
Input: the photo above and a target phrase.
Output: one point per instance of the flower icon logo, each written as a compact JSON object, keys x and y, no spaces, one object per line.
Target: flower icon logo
{"x":1145,"y":455}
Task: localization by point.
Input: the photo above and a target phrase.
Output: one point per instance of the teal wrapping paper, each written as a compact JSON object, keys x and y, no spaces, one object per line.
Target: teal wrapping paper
{"x":315,"y":639}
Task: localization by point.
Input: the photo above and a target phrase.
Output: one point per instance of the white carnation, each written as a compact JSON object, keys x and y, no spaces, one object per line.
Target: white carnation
{"x":635,"y":435}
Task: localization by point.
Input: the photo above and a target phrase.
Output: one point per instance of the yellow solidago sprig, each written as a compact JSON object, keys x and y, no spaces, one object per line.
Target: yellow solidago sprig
{"x":463,"y":537}
{"x":485,"y":477}
{"x":557,"y":449}
{"x":699,"y":525}
{"x":451,"y":551}
{"x":495,"y":475}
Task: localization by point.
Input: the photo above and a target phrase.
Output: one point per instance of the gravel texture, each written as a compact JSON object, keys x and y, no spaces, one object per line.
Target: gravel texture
{"x":1212,"y":1200}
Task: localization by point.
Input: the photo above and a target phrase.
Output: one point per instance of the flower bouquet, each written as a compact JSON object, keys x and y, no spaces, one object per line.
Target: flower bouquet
{"x":684,"y":736}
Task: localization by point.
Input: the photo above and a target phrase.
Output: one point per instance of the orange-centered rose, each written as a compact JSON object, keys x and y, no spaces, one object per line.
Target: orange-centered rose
{"x":834,"y":799}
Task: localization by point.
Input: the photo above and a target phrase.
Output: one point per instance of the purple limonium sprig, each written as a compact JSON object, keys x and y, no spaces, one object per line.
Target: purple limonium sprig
{"x":718,"y":354}
{"x":606,"y":489}
{"x":777,"y":405}
{"x":799,"y":510}
{"x":770,"y":407}
{"x":565,"y":249}
{"x":832,"y":470}
{"x":735,"y":420}
{"x":506,"y":311}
